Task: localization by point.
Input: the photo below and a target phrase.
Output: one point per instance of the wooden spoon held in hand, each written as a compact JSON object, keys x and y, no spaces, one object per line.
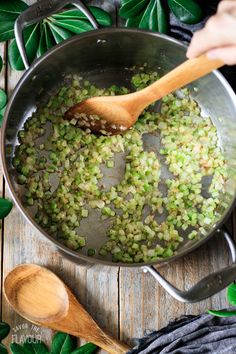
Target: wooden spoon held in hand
{"x":41,"y":297}
{"x":115,"y":114}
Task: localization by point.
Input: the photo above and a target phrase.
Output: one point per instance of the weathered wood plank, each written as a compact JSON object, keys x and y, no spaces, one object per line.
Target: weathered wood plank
{"x":144,"y":305}
{"x":210,"y":257}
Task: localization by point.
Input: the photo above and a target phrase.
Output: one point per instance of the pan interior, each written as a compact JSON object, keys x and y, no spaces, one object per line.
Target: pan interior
{"x":211,"y":94}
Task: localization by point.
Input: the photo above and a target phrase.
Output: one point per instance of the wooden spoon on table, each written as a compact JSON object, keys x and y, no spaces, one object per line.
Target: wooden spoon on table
{"x":115,"y":114}
{"x":41,"y":297}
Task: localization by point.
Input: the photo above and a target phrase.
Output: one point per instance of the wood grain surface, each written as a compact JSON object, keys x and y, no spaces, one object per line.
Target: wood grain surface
{"x":125,"y":302}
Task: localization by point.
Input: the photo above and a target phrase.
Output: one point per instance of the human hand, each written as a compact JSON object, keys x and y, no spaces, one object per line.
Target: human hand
{"x":218,"y":38}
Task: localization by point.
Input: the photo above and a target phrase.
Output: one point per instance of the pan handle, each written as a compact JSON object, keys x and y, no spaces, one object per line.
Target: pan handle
{"x":38,"y":12}
{"x":206,"y":287}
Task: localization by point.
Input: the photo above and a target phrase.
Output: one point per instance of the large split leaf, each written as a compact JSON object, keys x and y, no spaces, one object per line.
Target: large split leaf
{"x":49,"y":37}
{"x":59,"y":33}
{"x":6,"y":30}
{"x":152,"y":17}
{"x":63,"y":343}
{"x":102,"y":17}
{"x":158,"y":18}
{"x":4,"y":330}
{"x":75,"y":26}
{"x":3,"y":349}
{"x":222,"y":313}
{"x":1,"y":118}
{"x":36,"y":348}
{"x":88,"y":348}
{"x":231,"y":294}
{"x":144,"y":23}
{"x":5,"y":207}
{"x":10,"y":9}
{"x":132,"y":8}
{"x":187,"y":11}
{"x":18,"y":349}
{"x":134,"y":21}
{"x":42,"y":48}
{"x":3,"y":99}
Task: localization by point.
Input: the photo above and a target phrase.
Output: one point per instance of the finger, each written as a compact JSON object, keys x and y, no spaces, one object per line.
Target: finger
{"x":226,"y":54}
{"x":227,"y":6}
{"x":211,"y":36}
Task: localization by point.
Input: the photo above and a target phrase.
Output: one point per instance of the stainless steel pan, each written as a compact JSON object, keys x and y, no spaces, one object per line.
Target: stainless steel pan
{"x":102,"y":56}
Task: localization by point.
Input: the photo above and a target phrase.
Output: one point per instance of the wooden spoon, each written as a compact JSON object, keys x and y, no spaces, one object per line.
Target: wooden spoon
{"x":115,"y":114}
{"x":41,"y":297}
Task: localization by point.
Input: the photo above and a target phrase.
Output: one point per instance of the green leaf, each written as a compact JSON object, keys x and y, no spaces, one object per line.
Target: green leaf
{"x":6,"y":30}
{"x":36,"y":348}
{"x":59,"y":33}
{"x":75,"y":26}
{"x":42,"y":48}
{"x":222,"y":313}
{"x":49,"y":37}
{"x":4,"y":330}
{"x":88,"y":348}
{"x":103,"y":17}
{"x":3,"y":349}
{"x":134,"y":21}
{"x":3,"y":99}
{"x":10,"y":10}
{"x":5,"y":207}
{"x":1,"y":63}
{"x":231,"y":294}
{"x":31,"y":39}
{"x":187,"y":11}
{"x":63,"y":343}
{"x":18,"y":349}
{"x":132,"y":8}
{"x":144,"y":23}
{"x":158,"y":19}
{"x":124,"y":2}
{"x":2,"y":111}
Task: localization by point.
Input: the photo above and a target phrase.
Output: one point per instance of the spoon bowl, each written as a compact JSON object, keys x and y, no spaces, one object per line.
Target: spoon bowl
{"x":54,"y":300}
{"x":114,"y":115}
{"x":103,"y":115}
{"x":38,"y":295}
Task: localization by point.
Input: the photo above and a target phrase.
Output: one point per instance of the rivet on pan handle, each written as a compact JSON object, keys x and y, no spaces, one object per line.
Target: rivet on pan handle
{"x":38,"y":12}
{"x":206,"y":287}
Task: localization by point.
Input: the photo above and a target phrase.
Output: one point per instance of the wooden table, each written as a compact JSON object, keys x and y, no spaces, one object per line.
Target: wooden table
{"x":126,"y":302}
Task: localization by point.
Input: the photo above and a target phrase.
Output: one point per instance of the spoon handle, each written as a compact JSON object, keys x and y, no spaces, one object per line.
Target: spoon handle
{"x":80,"y":324}
{"x":182,"y":75}
{"x":102,"y":339}
{"x":111,"y":345}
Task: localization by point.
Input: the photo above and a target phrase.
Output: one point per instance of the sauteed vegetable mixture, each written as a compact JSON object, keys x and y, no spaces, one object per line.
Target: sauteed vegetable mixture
{"x":149,"y":213}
